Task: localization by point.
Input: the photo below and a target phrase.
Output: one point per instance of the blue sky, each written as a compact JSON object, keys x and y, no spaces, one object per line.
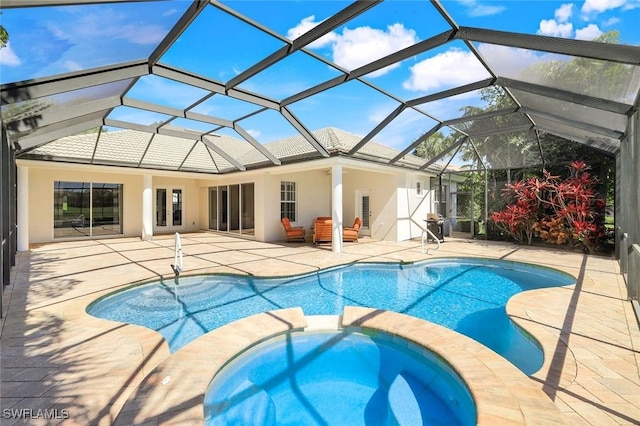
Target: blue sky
{"x":49,"y":41}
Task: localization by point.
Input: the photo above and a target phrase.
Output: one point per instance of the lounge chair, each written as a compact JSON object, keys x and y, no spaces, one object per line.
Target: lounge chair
{"x":322,"y":230}
{"x":294,"y":233}
{"x":351,"y":234}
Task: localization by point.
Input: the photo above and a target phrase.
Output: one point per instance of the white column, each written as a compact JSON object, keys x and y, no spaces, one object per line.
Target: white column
{"x":336,"y":213}
{"x":147,"y":207}
{"x":23,"y":209}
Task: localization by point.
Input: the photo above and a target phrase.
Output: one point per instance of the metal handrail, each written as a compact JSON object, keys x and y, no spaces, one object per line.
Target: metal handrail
{"x":425,"y":232}
{"x":178,"y":265}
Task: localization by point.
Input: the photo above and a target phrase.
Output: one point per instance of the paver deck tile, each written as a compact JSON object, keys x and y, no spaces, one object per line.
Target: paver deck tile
{"x":54,"y":355}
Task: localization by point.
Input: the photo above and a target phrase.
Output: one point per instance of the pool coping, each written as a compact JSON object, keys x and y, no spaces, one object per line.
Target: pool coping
{"x":173,"y":393}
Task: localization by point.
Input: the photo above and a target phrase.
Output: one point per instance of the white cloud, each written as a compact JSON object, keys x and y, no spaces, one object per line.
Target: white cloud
{"x":107,"y":25}
{"x":600,"y":6}
{"x":72,"y":65}
{"x":359,"y":46}
{"x":611,"y":22}
{"x":254,"y":133}
{"x":550,"y":27}
{"x":8,"y":57}
{"x":589,"y":32}
{"x":564,"y":12}
{"x":476,"y":9}
{"x":451,"y":68}
{"x":141,"y":34}
{"x":484,"y":10}
{"x":305,"y":26}
{"x":362,"y":45}
{"x":171,"y":12}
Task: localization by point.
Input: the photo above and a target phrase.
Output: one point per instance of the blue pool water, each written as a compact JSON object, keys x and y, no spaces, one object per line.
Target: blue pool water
{"x":337,"y":378}
{"x":465,"y":295}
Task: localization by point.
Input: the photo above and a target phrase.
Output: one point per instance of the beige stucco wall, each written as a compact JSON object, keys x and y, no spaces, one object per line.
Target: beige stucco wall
{"x":41,"y":182}
{"x":313,"y":189}
{"x":381,"y":188}
{"x":412,"y":207}
{"x":191,"y":201}
{"x":395,"y":210}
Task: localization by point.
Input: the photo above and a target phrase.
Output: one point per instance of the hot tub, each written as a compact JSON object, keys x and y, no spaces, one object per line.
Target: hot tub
{"x":338,"y":377}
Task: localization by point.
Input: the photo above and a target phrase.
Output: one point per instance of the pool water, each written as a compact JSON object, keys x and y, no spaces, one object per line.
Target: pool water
{"x":465,"y":295}
{"x":337,"y":378}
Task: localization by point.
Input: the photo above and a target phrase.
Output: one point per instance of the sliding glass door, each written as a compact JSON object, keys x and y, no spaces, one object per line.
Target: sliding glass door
{"x":232,"y":208}
{"x":86,"y":209}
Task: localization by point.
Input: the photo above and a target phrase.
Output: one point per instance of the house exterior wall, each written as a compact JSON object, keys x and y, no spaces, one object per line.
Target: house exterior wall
{"x":412,"y":206}
{"x":191,"y":199}
{"x":381,"y":188}
{"x":396,"y":210}
{"x":41,"y":183}
{"x":313,"y":191}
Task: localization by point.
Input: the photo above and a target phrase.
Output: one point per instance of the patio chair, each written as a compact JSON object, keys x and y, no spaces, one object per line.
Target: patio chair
{"x":322,"y":230}
{"x":293,"y":233}
{"x":351,"y":234}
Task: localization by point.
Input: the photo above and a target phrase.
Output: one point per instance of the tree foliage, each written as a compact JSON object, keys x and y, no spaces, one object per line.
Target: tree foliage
{"x":4,"y":36}
{"x":433,"y":145}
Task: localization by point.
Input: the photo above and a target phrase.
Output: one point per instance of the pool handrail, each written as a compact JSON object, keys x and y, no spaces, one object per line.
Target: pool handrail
{"x":425,"y":232}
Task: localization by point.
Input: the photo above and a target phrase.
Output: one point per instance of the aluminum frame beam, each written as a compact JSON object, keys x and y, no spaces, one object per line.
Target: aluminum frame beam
{"x":388,"y":119}
{"x":584,"y":141}
{"x":376,"y":65}
{"x":60,"y":129}
{"x":188,"y":78}
{"x":481,"y":116}
{"x":564,"y":95}
{"x":325,"y":27}
{"x":209,"y":143}
{"x":512,"y":129}
{"x":613,"y":134}
{"x":293,"y":120}
{"x":447,"y":150}
{"x":10,"y":4}
{"x":257,"y":145}
{"x":417,"y":142}
{"x":452,"y":92}
{"x":621,"y":53}
{"x":56,"y":115}
{"x":176,"y":31}
{"x":38,"y":88}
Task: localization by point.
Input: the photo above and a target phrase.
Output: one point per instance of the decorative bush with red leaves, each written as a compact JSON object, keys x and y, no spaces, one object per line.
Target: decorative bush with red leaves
{"x":558,"y":211}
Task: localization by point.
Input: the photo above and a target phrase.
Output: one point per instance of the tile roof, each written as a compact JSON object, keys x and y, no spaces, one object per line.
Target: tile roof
{"x":137,"y":149}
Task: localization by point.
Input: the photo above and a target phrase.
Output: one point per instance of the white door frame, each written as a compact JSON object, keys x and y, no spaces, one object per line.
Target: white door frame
{"x":360,"y":193}
{"x":169,"y":227}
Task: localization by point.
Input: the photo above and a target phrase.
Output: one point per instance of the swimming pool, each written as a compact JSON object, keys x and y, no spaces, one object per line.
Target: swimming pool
{"x":337,"y":378}
{"x":465,"y":295}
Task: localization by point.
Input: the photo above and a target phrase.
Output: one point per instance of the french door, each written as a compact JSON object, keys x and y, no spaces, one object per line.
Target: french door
{"x":169,"y":215}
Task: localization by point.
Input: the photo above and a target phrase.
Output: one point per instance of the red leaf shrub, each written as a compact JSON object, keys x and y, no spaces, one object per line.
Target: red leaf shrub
{"x":556,"y":210}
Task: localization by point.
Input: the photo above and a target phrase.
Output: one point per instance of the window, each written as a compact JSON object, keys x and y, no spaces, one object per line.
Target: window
{"x":85,"y":209}
{"x":288,"y":200}
{"x":440,"y":195}
{"x":418,"y":188}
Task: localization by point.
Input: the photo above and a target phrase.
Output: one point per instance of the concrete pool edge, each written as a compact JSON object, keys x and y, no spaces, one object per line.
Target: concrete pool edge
{"x":174,"y":391}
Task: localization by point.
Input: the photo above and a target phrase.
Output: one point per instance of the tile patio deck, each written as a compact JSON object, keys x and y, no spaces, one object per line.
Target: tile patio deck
{"x":56,"y":357}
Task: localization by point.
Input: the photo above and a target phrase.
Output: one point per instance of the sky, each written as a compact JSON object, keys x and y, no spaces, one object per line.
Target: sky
{"x":54,"y":40}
